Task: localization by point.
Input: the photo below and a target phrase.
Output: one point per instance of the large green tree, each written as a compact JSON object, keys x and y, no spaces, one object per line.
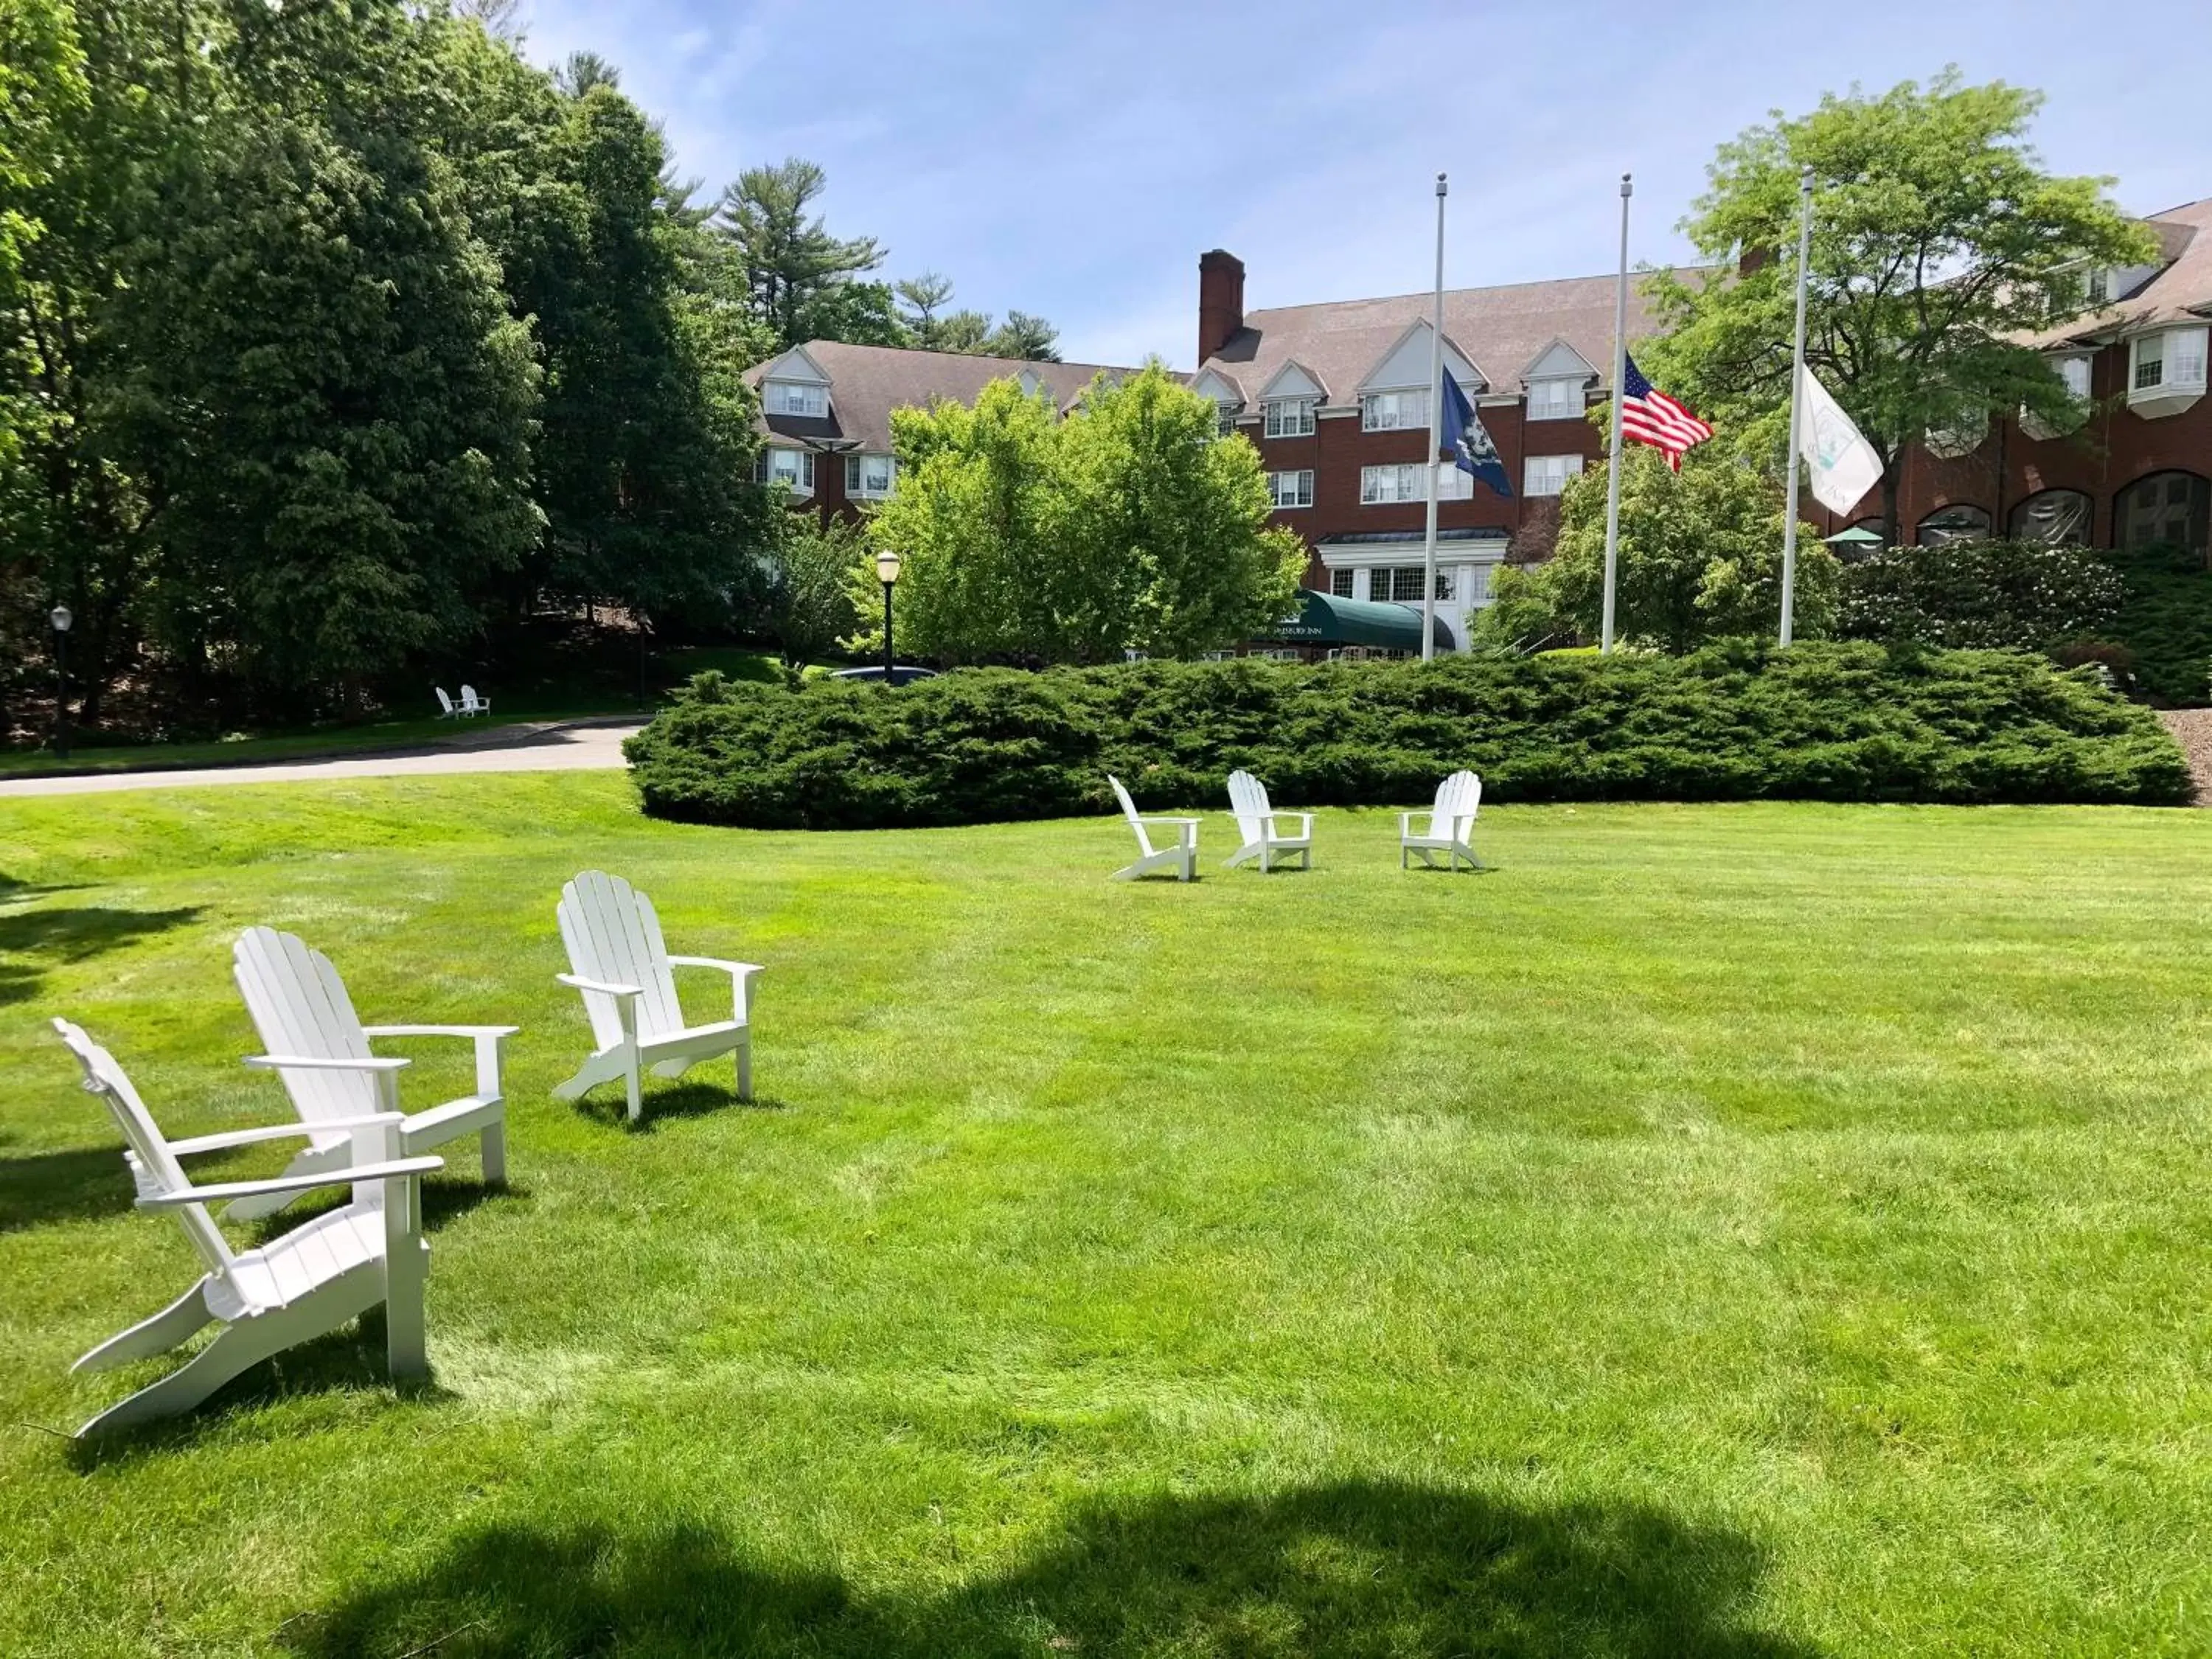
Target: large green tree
{"x":1129,"y":526}
{"x":1938,"y":241}
{"x":791,"y":263}
{"x":1700,"y":558}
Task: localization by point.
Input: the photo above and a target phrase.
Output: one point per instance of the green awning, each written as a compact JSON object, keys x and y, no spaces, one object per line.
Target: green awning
{"x":1325,"y":619}
{"x":1854,"y":537}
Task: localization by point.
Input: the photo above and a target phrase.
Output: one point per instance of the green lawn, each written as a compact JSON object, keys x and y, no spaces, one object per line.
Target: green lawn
{"x":1760,"y":1230}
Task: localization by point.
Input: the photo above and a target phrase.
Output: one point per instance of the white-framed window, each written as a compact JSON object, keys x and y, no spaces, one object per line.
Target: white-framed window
{"x":2075,"y":371}
{"x":792,"y":467}
{"x":1401,"y":481}
{"x":2148,"y":359}
{"x":1556,"y":399}
{"x":1402,"y":583}
{"x":1477,"y":584}
{"x":1290,"y":417}
{"x":1393,"y":411}
{"x":1340,"y":583}
{"x":1226,"y":416}
{"x":869,"y":477}
{"x":797,"y":397}
{"x":2168,"y":361}
{"x":1291,"y":488}
{"x":1548,"y":474}
{"x":2097,"y":286}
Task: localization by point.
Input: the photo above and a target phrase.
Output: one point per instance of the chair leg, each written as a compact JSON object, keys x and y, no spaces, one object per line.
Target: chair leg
{"x":237,"y":1348}
{"x":157,"y":1335}
{"x":494,"y":1144}
{"x":633,"y":1082}
{"x":745,"y":1068}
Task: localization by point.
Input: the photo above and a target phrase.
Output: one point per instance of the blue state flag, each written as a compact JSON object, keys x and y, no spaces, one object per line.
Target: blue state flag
{"x":1466,"y":442}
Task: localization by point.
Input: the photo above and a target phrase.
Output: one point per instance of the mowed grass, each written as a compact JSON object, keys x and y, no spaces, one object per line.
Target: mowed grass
{"x":1761,"y":1229}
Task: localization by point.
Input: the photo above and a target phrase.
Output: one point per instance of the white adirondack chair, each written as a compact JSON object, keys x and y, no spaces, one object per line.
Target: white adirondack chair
{"x":1257,"y":822}
{"x":621,"y":965}
{"x":294,"y":1288}
{"x":446,"y":711}
{"x":473,"y":704}
{"x":1451,"y":825}
{"x":317,"y":1047}
{"x":1182,"y":856}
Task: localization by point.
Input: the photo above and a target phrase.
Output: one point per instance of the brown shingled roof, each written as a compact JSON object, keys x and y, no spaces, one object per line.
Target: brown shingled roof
{"x":867,"y":382}
{"x":2182,"y":292}
{"x":1501,"y":329}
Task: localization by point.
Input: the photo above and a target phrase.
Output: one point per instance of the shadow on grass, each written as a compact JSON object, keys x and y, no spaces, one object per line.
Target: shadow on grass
{"x":38,"y":1189}
{"x":40,"y":941}
{"x":1355,"y":1568}
{"x":350,"y":1360}
{"x":668,"y":1103}
{"x":444,"y":1198}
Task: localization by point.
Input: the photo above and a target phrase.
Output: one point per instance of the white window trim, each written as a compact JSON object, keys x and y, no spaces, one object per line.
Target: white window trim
{"x":1570,"y":403}
{"x":1571,"y":467}
{"x":1369,"y":423}
{"x":2064,"y":366}
{"x":856,"y":468}
{"x":1276,"y":409}
{"x":802,"y":484}
{"x":1305,"y":488}
{"x":817,"y":396}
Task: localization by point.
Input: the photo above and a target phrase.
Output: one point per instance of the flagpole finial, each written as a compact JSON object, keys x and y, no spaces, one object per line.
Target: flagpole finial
{"x":1628,"y":183}
{"x":1440,"y":184}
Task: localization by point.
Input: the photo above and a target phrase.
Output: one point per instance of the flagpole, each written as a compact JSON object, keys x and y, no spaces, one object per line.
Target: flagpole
{"x":1796,"y":398}
{"x":1619,"y":390}
{"x":1435,"y":414}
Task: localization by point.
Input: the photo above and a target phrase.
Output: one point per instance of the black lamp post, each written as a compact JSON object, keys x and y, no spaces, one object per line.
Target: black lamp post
{"x":887,"y":569}
{"x":61,"y":618}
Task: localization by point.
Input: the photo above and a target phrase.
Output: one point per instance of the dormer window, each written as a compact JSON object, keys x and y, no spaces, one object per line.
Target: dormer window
{"x":1290,"y":417}
{"x":2166,"y":368}
{"x":1393,"y":411}
{"x":1559,"y":398}
{"x":2097,"y":288}
{"x":1224,"y":416}
{"x":797,"y":397}
{"x":2075,"y":371}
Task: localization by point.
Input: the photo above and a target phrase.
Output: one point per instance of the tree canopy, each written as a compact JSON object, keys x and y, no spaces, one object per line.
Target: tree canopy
{"x":1938,"y":241}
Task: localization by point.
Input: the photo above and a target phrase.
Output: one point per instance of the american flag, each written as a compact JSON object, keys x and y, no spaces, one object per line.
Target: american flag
{"x":1649,"y":416}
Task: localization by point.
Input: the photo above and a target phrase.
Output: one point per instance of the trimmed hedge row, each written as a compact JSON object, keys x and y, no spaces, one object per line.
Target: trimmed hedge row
{"x":1820,"y":721}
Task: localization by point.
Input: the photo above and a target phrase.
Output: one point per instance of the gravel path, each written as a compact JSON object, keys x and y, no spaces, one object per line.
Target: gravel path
{"x":559,"y":749}
{"x":2192,"y":729}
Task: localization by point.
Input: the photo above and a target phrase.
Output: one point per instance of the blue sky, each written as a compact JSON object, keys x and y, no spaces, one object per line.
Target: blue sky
{"x":1076,"y":160}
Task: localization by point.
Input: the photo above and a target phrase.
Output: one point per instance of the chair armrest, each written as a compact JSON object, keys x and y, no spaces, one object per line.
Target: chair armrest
{"x":280,"y":1132}
{"x":1158,"y":820}
{"x":440,"y":1030}
{"x":1305,"y":822}
{"x":222,"y":1192}
{"x":735,"y":969}
{"x":324,"y":1063}
{"x":1406,"y":822}
{"x":577,"y":981}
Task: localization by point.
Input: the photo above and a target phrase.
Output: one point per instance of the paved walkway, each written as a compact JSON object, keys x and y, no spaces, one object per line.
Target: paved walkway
{"x":549,"y":749}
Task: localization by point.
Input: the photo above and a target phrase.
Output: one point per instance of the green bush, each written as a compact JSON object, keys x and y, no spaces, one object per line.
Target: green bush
{"x":1737,"y":720}
{"x":1981,"y":595}
{"x":2166,"y":622}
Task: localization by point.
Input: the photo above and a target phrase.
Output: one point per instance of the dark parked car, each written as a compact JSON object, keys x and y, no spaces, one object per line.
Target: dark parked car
{"x":900,"y":674}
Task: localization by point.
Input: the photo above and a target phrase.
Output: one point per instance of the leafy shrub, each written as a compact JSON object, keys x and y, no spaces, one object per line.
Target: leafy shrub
{"x":1981,"y":595}
{"x":1737,"y":720}
{"x":2166,"y":622}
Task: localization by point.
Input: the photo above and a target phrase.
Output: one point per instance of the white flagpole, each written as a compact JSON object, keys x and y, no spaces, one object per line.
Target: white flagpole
{"x":1796,"y":398}
{"x":1436,"y":416}
{"x":1619,"y":376}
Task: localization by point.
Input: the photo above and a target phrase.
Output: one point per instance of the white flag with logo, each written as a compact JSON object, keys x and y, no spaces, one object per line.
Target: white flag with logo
{"x":1843,"y":464}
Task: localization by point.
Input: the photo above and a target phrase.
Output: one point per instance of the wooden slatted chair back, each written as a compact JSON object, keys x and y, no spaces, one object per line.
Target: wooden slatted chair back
{"x":1458,"y":798}
{"x":300,"y":1006}
{"x":1129,"y":811}
{"x":445,"y":702}
{"x":1248,"y":805}
{"x":153,"y":1165}
{"x":613,"y":934}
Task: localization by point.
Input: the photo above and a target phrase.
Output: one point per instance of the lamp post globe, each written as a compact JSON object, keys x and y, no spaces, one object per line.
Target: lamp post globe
{"x":887,"y":572}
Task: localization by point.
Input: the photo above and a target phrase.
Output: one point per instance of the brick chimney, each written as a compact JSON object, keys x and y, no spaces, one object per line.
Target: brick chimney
{"x":1220,"y":300}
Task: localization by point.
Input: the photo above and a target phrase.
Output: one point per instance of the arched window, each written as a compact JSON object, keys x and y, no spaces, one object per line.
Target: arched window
{"x":2057,"y":518}
{"x":1954,"y":524}
{"x":2172,"y":507}
{"x":1874,"y":522}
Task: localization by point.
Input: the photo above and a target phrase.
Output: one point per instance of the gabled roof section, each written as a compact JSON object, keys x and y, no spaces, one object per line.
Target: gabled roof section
{"x":1405,"y":366}
{"x":796,"y":364}
{"x":1222,"y":388}
{"x":1294,"y":379}
{"x":1557,"y":361}
{"x":1339,"y":343}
